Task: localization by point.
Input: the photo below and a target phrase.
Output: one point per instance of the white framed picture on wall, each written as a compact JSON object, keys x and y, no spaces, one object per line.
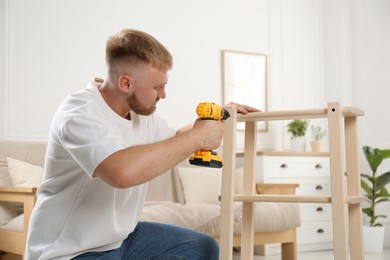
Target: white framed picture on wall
{"x":245,"y":81}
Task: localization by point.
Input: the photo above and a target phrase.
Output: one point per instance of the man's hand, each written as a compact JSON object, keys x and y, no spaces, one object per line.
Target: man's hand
{"x":243,"y":109}
{"x":209,"y":132}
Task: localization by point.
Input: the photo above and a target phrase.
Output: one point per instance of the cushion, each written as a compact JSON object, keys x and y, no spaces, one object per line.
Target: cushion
{"x":173,"y":190}
{"x":205,"y":218}
{"x":24,"y":174}
{"x":270,"y":217}
{"x":8,"y":211}
{"x":203,"y":184}
{"x":192,"y":216}
{"x":200,"y":184}
{"x":5,"y":179}
{"x":16,"y":224}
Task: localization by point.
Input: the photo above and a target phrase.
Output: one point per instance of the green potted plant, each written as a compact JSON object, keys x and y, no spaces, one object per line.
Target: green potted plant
{"x":374,"y":187}
{"x":297,"y":128}
{"x":317,"y":134}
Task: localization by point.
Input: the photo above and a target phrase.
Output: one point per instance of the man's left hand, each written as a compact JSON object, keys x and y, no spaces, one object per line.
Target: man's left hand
{"x":243,"y":109}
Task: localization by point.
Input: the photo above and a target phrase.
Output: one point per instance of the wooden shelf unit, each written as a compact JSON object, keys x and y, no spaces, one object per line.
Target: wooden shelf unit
{"x":345,"y":198}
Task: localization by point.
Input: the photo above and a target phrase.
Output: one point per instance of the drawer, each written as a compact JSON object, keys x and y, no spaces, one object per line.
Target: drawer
{"x":318,"y":232}
{"x":310,"y":237}
{"x":316,"y":187}
{"x":315,"y":212}
{"x":285,"y":167}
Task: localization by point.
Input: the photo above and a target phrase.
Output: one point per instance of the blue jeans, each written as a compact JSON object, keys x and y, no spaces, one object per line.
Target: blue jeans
{"x":155,"y":241}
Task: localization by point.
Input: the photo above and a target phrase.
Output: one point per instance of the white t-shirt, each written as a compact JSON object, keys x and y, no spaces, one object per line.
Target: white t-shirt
{"x":76,"y":213}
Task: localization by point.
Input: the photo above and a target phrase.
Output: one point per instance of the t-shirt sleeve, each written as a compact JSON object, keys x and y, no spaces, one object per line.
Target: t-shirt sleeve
{"x":89,"y":142}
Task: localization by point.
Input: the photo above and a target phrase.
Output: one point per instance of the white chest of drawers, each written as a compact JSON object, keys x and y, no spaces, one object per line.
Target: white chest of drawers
{"x":311,"y":172}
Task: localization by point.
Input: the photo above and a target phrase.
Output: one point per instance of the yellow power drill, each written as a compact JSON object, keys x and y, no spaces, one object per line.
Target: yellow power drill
{"x":209,"y":111}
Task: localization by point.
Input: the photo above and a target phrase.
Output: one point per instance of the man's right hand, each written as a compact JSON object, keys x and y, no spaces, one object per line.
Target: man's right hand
{"x":209,"y":132}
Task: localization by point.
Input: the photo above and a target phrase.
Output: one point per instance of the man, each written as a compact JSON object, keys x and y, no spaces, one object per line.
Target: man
{"x":105,"y":144}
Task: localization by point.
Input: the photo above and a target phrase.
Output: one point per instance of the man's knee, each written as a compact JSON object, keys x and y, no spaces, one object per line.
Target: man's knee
{"x":210,"y":247}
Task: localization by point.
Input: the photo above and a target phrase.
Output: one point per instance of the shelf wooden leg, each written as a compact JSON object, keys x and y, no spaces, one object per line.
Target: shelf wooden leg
{"x":353,"y":183}
{"x":338,"y":187}
{"x":227,"y":189}
{"x":247,"y":240}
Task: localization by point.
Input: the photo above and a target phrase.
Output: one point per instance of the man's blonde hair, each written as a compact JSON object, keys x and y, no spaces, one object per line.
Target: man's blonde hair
{"x":130,"y":47}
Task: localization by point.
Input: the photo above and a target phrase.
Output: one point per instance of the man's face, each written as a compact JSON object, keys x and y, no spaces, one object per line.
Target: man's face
{"x":149,"y":87}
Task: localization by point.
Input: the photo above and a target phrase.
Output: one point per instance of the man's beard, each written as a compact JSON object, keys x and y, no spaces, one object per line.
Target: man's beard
{"x":136,"y":106}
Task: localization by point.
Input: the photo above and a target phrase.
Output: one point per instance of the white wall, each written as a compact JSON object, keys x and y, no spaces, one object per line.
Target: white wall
{"x":55,"y":47}
{"x":51,"y":48}
{"x":296,"y":61}
{"x":319,"y":51}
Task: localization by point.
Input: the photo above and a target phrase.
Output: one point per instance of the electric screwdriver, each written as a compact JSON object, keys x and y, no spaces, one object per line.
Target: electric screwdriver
{"x":209,"y":111}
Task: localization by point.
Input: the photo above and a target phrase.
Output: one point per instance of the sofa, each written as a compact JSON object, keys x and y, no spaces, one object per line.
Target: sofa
{"x":185,"y":195}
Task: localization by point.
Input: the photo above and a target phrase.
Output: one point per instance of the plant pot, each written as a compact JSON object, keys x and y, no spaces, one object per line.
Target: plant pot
{"x":373,"y":239}
{"x":316,"y":146}
{"x":298,"y":144}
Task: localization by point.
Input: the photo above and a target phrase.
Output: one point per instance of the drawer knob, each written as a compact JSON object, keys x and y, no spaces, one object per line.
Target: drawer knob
{"x":318,"y":166}
{"x":320,"y":231}
{"x":283,"y":166}
{"x":319,"y":187}
{"x":319,"y":209}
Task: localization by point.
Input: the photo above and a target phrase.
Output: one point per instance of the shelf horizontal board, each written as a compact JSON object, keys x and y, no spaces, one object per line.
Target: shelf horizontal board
{"x":296,"y":114}
{"x":294,"y":198}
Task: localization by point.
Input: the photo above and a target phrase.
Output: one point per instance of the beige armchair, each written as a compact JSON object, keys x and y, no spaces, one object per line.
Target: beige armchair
{"x":168,"y":205}
{"x":12,"y":242}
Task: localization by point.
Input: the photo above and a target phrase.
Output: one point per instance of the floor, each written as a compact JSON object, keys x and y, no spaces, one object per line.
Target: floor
{"x":321,"y":255}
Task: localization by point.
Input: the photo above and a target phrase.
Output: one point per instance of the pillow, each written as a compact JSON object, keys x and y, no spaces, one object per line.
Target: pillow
{"x":191,"y":216}
{"x":203,"y":185}
{"x":7,"y":212}
{"x":16,"y":224}
{"x":206,"y":217}
{"x":270,"y":217}
{"x":5,"y":180}
{"x":24,"y":174}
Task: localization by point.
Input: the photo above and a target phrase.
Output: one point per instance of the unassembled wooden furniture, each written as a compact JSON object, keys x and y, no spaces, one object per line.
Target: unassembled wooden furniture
{"x":13,"y":242}
{"x":345,"y":202}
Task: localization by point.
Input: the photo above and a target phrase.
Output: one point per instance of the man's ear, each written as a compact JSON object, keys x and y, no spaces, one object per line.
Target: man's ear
{"x":124,"y":83}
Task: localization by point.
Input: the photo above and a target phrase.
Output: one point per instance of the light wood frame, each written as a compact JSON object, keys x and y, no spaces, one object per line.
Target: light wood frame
{"x":345,"y":197}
